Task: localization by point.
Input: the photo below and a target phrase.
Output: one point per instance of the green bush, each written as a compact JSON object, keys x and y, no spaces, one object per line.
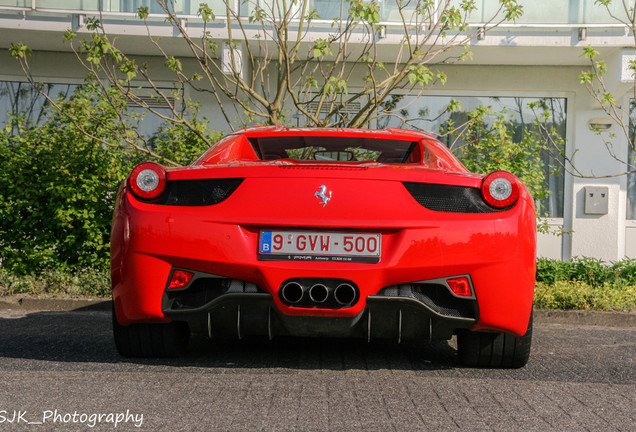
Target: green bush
{"x":586,"y":283}
{"x":59,"y":180}
{"x":58,"y":191}
{"x":582,"y":296}
{"x":591,"y":271}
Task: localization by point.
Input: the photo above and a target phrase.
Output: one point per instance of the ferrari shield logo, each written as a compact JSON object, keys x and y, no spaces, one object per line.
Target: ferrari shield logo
{"x":323,"y":194}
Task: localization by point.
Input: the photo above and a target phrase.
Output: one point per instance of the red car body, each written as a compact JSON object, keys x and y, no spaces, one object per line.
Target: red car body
{"x":412,"y":222}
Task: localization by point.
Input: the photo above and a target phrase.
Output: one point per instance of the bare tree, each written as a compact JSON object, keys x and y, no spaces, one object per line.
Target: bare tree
{"x":284,"y":61}
{"x":596,"y":84}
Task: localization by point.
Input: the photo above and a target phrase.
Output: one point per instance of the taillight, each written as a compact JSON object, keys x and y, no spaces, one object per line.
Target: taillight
{"x":148,"y":180}
{"x":500,"y":189}
{"x":179,"y":279}
{"x":460,"y":286}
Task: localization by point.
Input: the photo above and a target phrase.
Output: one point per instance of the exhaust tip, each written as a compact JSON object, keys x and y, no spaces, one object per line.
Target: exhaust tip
{"x":318,"y":293}
{"x":292,"y":292}
{"x":344,"y":294}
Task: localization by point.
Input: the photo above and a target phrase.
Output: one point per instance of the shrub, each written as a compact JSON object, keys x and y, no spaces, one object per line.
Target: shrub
{"x":591,"y":271}
{"x":582,"y":296}
{"x":59,"y":183}
{"x":586,"y":283}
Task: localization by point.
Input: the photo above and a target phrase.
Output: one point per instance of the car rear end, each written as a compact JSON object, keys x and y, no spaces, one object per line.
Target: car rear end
{"x":398,"y":241}
{"x":340,"y":250}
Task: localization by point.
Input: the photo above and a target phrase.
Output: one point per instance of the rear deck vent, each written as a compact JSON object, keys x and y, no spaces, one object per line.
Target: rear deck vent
{"x":450,"y":199}
{"x":200,"y":192}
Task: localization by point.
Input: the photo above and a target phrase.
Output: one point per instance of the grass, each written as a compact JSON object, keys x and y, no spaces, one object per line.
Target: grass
{"x":592,"y":271}
{"x":57,"y":283}
{"x":581,"y":284}
{"x":579,"y":295}
{"x":586,"y":284}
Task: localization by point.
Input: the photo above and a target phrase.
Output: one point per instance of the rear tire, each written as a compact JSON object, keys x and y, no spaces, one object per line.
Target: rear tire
{"x":495,"y":350}
{"x":151,"y":340}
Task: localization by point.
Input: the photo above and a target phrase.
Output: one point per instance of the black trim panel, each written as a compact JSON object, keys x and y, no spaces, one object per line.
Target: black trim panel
{"x":450,"y":199}
{"x":192,"y":193}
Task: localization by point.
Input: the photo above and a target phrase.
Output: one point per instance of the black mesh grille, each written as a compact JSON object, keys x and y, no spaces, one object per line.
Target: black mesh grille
{"x":435,"y":296}
{"x":450,"y":199}
{"x":196,"y":192}
{"x":204,"y":290}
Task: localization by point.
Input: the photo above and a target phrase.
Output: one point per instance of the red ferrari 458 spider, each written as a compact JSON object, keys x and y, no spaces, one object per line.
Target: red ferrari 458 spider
{"x":324,"y":232}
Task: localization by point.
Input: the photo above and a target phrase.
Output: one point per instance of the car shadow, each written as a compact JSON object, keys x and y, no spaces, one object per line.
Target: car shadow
{"x":85,"y":336}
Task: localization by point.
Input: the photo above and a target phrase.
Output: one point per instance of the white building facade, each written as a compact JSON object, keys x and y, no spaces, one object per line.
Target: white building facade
{"x":536,"y":58}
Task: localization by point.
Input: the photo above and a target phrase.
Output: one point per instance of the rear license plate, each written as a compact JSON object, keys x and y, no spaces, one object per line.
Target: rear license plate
{"x":319,"y":246}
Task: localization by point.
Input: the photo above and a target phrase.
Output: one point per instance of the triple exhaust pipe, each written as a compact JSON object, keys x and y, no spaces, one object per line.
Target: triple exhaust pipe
{"x":306,"y":293}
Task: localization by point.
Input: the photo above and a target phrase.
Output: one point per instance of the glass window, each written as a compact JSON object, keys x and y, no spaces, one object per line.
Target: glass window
{"x":548,"y":11}
{"x":21,"y":98}
{"x":134,"y":5}
{"x":84,"y":5}
{"x":330,"y":148}
{"x":15,"y":3}
{"x":330,"y":9}
{"x":431,"y":114}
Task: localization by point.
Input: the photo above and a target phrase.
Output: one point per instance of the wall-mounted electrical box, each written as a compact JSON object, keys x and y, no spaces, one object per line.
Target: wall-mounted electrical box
{"x":596,"y":199}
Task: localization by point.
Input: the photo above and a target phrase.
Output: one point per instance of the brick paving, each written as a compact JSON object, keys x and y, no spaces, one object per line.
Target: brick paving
{"x":578,"y":378}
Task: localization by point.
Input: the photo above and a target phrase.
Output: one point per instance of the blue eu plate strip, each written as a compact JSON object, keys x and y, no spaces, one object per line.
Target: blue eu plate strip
{"x":266,"y":242}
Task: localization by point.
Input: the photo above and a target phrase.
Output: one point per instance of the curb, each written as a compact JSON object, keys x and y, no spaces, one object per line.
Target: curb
{"x":36,"y":304}
{"x":541,"y":316}
{"x":585,"y":318}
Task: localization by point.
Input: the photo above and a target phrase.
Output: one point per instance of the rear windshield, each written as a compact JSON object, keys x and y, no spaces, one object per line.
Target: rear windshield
{"x":330,"y":148}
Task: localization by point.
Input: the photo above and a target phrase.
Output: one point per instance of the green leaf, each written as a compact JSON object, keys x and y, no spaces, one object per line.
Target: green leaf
{"x":311,"y":82}
{"x":366,"y":12}
{"x":311,"y":15}
{"x":205,"y":12}
{"x":420,"y":74}
{"x":468,"y":6}
{"x":92,"y":23}
{"x":608,"y":98}
{"x":68,"y":35}
{"x":512,"y":9}
{"x":19,"y":50}
{"x":129,"y":68}
{"x":258,"y":15}
{"x":586,"y":77}
{"x":321,"y":48}
{"x":589,"y":53}
{"x":454,"y":106}
{"x":467,"y":54}
{"x":173,"y":64}
{"x":143,"y":12}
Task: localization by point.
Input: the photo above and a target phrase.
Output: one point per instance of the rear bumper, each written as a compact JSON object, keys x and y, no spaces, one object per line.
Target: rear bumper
{"x":496,"y":250}
{"x":254,"y":314}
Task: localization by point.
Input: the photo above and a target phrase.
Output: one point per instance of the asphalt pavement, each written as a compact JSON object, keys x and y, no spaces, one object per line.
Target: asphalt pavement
{"x":60,"y":371}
